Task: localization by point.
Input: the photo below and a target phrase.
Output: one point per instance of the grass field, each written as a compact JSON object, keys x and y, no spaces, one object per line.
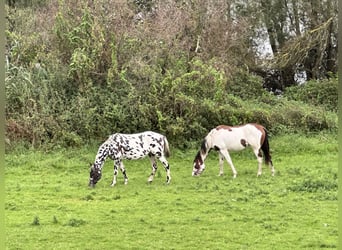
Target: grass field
{"x":48,"y":204}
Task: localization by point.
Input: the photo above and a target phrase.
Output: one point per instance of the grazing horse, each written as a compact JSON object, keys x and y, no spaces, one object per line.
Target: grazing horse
{"x":225,"y":138}
{"x":131,"y":147}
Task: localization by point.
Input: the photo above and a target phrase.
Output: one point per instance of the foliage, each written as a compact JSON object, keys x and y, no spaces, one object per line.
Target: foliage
{"x":302,"y":36}
{"x":102,"y":69}
{"x":317,"y":93}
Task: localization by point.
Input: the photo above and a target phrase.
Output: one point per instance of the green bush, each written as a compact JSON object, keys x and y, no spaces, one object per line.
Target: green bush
{"x":246,"y":86}
{"x":318,"y":93}
{"x":82,"y":82}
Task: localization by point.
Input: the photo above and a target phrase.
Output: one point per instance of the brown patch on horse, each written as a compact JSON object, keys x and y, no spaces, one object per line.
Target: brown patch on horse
{"x":262,"y":130}
{"x":224,"y":127}
{"x":243,"y":142}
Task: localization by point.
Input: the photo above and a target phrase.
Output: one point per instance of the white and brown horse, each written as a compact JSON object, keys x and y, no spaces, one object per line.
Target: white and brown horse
{"x":234,"y":138}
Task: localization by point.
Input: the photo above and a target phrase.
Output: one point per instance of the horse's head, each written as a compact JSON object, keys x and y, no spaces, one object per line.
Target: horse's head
{"x":95,"y":175}
{"x":198,"y":165}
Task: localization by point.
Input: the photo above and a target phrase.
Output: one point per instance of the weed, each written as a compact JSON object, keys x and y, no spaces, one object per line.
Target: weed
{"x":54,"y":220}
{"x":88,"y":197}
{"x":117,"y":197}
{"x":75,"y":222}
{"x":311,"y":185}
{"x":36,"y":221}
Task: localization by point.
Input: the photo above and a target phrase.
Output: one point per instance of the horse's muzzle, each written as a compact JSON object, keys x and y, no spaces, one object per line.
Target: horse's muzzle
{"x":91,"y":184}
{"x":195,"y":173}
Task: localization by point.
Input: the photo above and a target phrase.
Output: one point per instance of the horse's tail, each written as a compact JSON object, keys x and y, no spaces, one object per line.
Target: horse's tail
{"x":266,"y":149}
{"x":166,"y":148}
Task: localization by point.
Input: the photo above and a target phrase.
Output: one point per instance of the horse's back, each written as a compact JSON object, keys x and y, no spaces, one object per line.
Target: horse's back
{"x":235,"y":138}
{"x":150,"y":134}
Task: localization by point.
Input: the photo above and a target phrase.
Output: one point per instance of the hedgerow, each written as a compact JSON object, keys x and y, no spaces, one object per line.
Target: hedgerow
{"x":88,"y":78}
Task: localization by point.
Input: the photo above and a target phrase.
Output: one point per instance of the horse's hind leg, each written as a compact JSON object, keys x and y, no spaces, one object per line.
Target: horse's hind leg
{"x":226,"y":155}
{"x":166,"y":165}
{"x":258,"y":155}
{"x":272,"y":168}
{"x":123,"y":170}
{"x":116,"y":164}
{"x":154,"y":168}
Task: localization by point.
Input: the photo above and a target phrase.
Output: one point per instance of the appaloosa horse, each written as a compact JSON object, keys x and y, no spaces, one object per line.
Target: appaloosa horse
{"x":226,"y":138}
{"x":131,"y":147}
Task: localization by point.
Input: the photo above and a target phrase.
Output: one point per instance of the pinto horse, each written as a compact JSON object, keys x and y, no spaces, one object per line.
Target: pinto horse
{"x":131,"y":147}
{"x":226,"y":138}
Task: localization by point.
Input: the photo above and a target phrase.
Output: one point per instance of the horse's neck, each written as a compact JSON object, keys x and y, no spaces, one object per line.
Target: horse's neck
{"x":205,"y":147}
{"x":101,"y":156}
{"x":204,"y":155}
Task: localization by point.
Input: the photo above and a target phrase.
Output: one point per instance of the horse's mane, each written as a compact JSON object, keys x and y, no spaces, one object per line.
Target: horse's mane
{"x":204,"y":146}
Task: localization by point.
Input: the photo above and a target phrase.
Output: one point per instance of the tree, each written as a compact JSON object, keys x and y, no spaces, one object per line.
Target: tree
{"x":303,"y":38}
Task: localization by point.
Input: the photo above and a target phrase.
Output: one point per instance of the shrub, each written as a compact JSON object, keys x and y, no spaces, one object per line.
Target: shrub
{"x":90,"y":78}
{"x":317,"y":93}
{"x":246,"y":86}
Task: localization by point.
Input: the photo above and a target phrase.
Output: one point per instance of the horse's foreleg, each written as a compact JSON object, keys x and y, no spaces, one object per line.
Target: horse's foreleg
{"x":226,"y":155}
{"x":123,"y":170}
{"x":116,"y":164}
{"x":166,"y":165}
{"x":221,"y":161}
{"x":154,"y":168}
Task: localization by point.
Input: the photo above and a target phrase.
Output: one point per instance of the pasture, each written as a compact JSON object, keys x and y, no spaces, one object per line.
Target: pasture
{"x":48,"y":204}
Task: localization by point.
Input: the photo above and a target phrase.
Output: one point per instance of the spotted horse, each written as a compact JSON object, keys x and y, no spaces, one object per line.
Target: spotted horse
{"x":234,"y":138}
{"x":131,"y":147}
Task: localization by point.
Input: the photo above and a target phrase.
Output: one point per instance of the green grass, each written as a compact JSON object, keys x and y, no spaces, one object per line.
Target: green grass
{"x":49,"y":205}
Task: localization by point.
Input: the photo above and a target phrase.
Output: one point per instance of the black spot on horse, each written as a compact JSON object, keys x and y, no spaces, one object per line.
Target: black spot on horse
{"x":243,"y":142}
{"x":259,"y":154}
